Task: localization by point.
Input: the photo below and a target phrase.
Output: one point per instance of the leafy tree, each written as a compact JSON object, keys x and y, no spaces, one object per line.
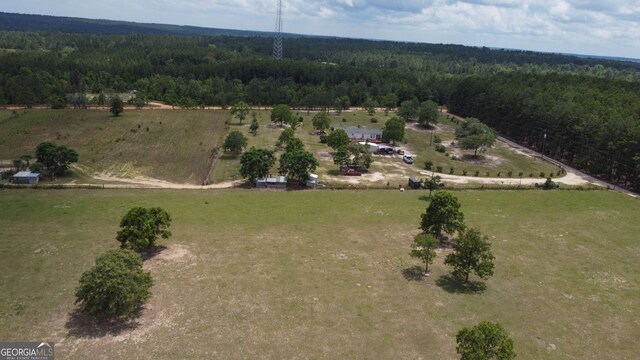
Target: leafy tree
{"x":294,"y":122}
{"x":423,"y":249}
{"x":254,"y":127}
{"x":342,"y":103}
{"x":297,"y":165}
{"x":36,"y":167}
{"x":115,"y":286}
{"x":281,"y":114}
{"x":321,"y":121}
{"x":361,"y":156}
{"x":433,"y":183}
{"x":256,"y":163}
{"x":240,"y":110}
{"x":78,"y":100}
{"x":389,"y":102}
{"x":140,"y":227}
{"x":471,"y":253}
{"x":235,"y":142}
{"x":485,"y":341}
{"x":285,"y":136}
{"x":294,"y":144}
{"x":393,"y":130}
{"x":428,"y":113}
{"x":116,"y":106}
{"x":341,"y":156}
{"x":337,"y":138}
{"x":370,"y":105}
{"x":474,"y":135}
{"x":55,"y":158}
{"x":409,"y":109}
{"x":443,"y":215}
{"x":18,"y":164}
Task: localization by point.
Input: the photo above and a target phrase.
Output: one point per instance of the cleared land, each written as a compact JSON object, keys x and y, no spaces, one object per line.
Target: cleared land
{"x":388,"y":168}
{"x":174,"y":146}
{"x":326,"y":274}
{"x":168,"y":145}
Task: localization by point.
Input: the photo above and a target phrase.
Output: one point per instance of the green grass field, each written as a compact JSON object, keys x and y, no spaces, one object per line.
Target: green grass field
{"x":168,"y":145}
{"x":326,"y":274}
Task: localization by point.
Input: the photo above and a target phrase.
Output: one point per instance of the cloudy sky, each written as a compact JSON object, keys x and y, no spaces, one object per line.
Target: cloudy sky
{"x":594,"y":27}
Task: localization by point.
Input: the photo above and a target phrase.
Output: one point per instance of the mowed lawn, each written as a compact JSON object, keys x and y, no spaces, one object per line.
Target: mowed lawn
{"x":326,"y":274}
{"x":163,"y":144}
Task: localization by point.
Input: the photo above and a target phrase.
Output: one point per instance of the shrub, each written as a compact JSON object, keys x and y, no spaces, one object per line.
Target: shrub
{"x":530,"y":174}
{"x":510,"y":173}
{"x":498,"y":174}
{"x":323,"y":139}
{"x":549,"y":184}
{"x":487,"y":173}
{"x":440,"y":148}
{"x":428,"y":164}
{"x":542,"y":174}
{"x":374,"y":120}
{"x":437,"y":139}
{"x":115,"y":286}
{"x":521,"y":174}
{"x":344,"y":119}
{"x":464,"y":172}
{"x":477,"y":172}
{"x":439,"y":169}
{"x":450,"y":170}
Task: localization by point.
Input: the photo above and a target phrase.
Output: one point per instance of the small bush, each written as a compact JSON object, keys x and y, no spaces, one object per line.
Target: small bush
{"x":530,"y":174}
{"x":510,"y":173}
{"x":521,"y":174}
{"x":147,"y":128}
{"x":454,"y":157}
{"x":549,"y":184}
{"x":323,"y":139}
{"x":498,"y":174}
{"x":477,"y":172}
{"x":542,"y":174}
{"x":440,"y":148}
{"x":428,"y":164}
{"x":374,"y":120}
{"x":437,"y":139}
{"x":451,"y":171}
{"x":464,"y":172}
{"x":344,"y":119}
{"x":439,"y":169}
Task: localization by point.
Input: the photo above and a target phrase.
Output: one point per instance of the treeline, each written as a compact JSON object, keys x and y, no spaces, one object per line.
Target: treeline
{"x":593,"y":124}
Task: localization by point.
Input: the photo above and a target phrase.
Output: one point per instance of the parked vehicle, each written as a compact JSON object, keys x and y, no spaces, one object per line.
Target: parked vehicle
{"x":414,"y":183}
{"x":408,"y":159}
{"x":351,"y":170}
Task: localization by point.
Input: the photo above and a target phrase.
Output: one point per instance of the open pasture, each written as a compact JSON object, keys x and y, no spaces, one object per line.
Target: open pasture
{"x":326,"y":274}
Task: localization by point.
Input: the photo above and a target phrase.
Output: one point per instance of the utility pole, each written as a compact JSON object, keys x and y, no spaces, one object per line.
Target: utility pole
{"x":544,"y":141}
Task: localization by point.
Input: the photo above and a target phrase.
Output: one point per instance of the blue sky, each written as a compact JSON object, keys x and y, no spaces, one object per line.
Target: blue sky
{"x":594,"y":27}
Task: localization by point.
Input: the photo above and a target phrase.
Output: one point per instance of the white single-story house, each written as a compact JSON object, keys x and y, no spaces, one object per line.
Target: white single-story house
{"x":362,"y":134}
{"x":25,"y":177}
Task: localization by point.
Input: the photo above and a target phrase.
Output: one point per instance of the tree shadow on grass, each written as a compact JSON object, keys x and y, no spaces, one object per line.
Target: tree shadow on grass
{"x":414,"y":273}
{"x":453,"y":285}
{"x":81,"y":325}
{"x":153,"y":252}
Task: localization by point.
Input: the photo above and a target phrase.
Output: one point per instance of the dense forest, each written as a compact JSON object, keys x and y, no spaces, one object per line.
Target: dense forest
{"x":589,"y":108}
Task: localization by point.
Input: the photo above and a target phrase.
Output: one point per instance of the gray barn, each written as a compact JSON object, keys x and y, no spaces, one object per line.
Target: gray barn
{"x":25,"y":177}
